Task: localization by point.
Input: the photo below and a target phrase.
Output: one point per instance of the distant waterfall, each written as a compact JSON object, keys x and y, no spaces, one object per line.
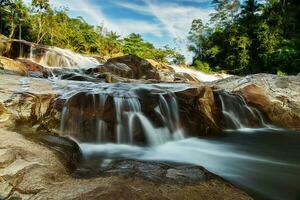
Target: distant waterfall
{"x":237,"y":114}
{"x":53,"y":57}
{"x":112,"y":116}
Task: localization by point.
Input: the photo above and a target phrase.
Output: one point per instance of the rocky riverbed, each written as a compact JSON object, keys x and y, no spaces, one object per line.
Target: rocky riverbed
{"x":47,"y":113}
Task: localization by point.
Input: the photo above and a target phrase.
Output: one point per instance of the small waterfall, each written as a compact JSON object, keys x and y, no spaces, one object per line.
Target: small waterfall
{"x":53,"y":57}
{"x":237,"y":114}
{"x":113,"y":115}
{"x":126,"y":109}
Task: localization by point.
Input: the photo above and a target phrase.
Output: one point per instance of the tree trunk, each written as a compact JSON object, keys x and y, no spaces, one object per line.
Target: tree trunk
{"x":12,"y":30}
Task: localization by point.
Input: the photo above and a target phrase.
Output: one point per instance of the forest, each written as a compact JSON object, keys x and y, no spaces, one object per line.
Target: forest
{"x":249,"y":37}
{"x":43,"y":24}
{"x":242,"y":37}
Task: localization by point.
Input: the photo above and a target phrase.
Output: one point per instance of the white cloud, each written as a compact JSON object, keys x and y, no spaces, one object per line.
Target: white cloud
{"x":176,"y":19}
{"x":173,"y":19}
{"x":97,"y":17}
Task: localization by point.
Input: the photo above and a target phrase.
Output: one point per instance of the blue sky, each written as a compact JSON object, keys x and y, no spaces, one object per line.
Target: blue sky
{"x":158,"y":21}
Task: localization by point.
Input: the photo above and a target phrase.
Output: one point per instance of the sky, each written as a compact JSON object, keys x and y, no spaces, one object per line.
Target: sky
{"x":161,"y":22}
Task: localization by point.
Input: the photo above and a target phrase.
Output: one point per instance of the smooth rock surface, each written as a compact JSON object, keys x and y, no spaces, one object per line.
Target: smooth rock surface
{"x":278,"y":97}
{"x":13,"y":66}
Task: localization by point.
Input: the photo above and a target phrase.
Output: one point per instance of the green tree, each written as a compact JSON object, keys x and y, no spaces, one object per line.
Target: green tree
{"x":42,"y":8}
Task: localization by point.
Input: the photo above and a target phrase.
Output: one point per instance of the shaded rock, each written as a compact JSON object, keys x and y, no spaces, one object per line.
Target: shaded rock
{"x":31,"y":66}
{"x":199,"y":110}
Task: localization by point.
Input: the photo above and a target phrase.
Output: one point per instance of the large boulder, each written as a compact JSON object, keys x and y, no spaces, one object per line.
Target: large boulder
{"x":199,"y":110}
{"x":276,"y":96}
{"x":25,"y":101}
{"x":131,"y":67}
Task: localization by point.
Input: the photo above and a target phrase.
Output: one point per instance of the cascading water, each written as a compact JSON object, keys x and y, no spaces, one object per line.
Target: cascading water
{"x":54,"y":57}
{"x":116,"y":113}
{"x":60,"y":63}
{"x":142,"y":121}
{"x":238,"y":115}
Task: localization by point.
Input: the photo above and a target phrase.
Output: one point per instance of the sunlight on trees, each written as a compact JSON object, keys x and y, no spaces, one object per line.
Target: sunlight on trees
{"x":249,"y":38}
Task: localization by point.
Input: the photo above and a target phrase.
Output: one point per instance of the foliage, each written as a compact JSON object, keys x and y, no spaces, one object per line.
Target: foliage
{"x":202,"y":66}
{"x":249,"y":38}
{"x":40,"y":23}
{"x":135,"y":45}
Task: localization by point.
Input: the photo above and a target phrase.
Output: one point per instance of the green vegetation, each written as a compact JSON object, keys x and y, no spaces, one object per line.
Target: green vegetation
{"x":249,"y":38}
{"x":42,"y":24}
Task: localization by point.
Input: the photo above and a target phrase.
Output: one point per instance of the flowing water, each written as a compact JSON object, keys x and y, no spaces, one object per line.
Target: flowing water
{"x":200,"y":76}
{"x":264,"y":161}
{"x":142,"y":121}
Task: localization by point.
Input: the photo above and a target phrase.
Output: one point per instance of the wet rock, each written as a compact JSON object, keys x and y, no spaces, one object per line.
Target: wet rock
{"x":32,"y":67}
{"x":25,"y":101}
{"x":199,"y":110}
{"x":277,"y":97}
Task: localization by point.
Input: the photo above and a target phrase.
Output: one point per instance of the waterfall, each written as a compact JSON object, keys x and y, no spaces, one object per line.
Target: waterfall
{"x":53,"y":57}
{"x":114,"y":115}
{"x":237,"y":114}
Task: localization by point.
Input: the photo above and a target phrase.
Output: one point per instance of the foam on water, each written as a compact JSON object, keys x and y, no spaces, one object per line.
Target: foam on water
{"x":199,"y":75}
{"x":247,"y":159}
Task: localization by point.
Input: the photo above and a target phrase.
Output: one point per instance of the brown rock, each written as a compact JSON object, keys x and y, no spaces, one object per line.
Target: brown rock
{"x":199,"y":110}
{"x":208,"y":108}
{"x":24,"y":101}
{"x":131,"y":67}
{"x":279,"y":110}
{"x":276,"y":96}
{"x":13,"y":66}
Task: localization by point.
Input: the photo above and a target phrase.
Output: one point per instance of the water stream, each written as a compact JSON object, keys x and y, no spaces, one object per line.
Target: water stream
{"x":142,"y":121}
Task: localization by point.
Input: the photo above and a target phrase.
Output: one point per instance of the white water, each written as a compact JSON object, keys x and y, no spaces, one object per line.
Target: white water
{"x":266,"y":167}
{"x":200,"y":76}
{"x":238,"y":115}
{"x":84,"y":114}
{"x":264,"y":162}
{"x":61,"y":58}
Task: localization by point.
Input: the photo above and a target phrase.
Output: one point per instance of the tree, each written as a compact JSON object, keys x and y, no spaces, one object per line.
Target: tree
{"x":225,"y":12}
{"x":42,"y":8}
{"x":262,"y":38}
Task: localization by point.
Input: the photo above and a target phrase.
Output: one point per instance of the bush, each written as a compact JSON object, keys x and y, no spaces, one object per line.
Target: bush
{"x":202,"y":66}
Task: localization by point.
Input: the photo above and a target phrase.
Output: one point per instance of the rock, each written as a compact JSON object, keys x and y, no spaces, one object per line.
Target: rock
{"x":22,"y":49}
{"x":13,"y":66}
{"x":184,"y":77}
{"x":32,"y":171}
{"x":25,"y":101}
{"x":161,"y":66}
{"x":131,"y":67}
{"x":199,"y":110}
{"x":277,"y":97}
{"x":31,"y":66}
{"x":4,"y":45}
